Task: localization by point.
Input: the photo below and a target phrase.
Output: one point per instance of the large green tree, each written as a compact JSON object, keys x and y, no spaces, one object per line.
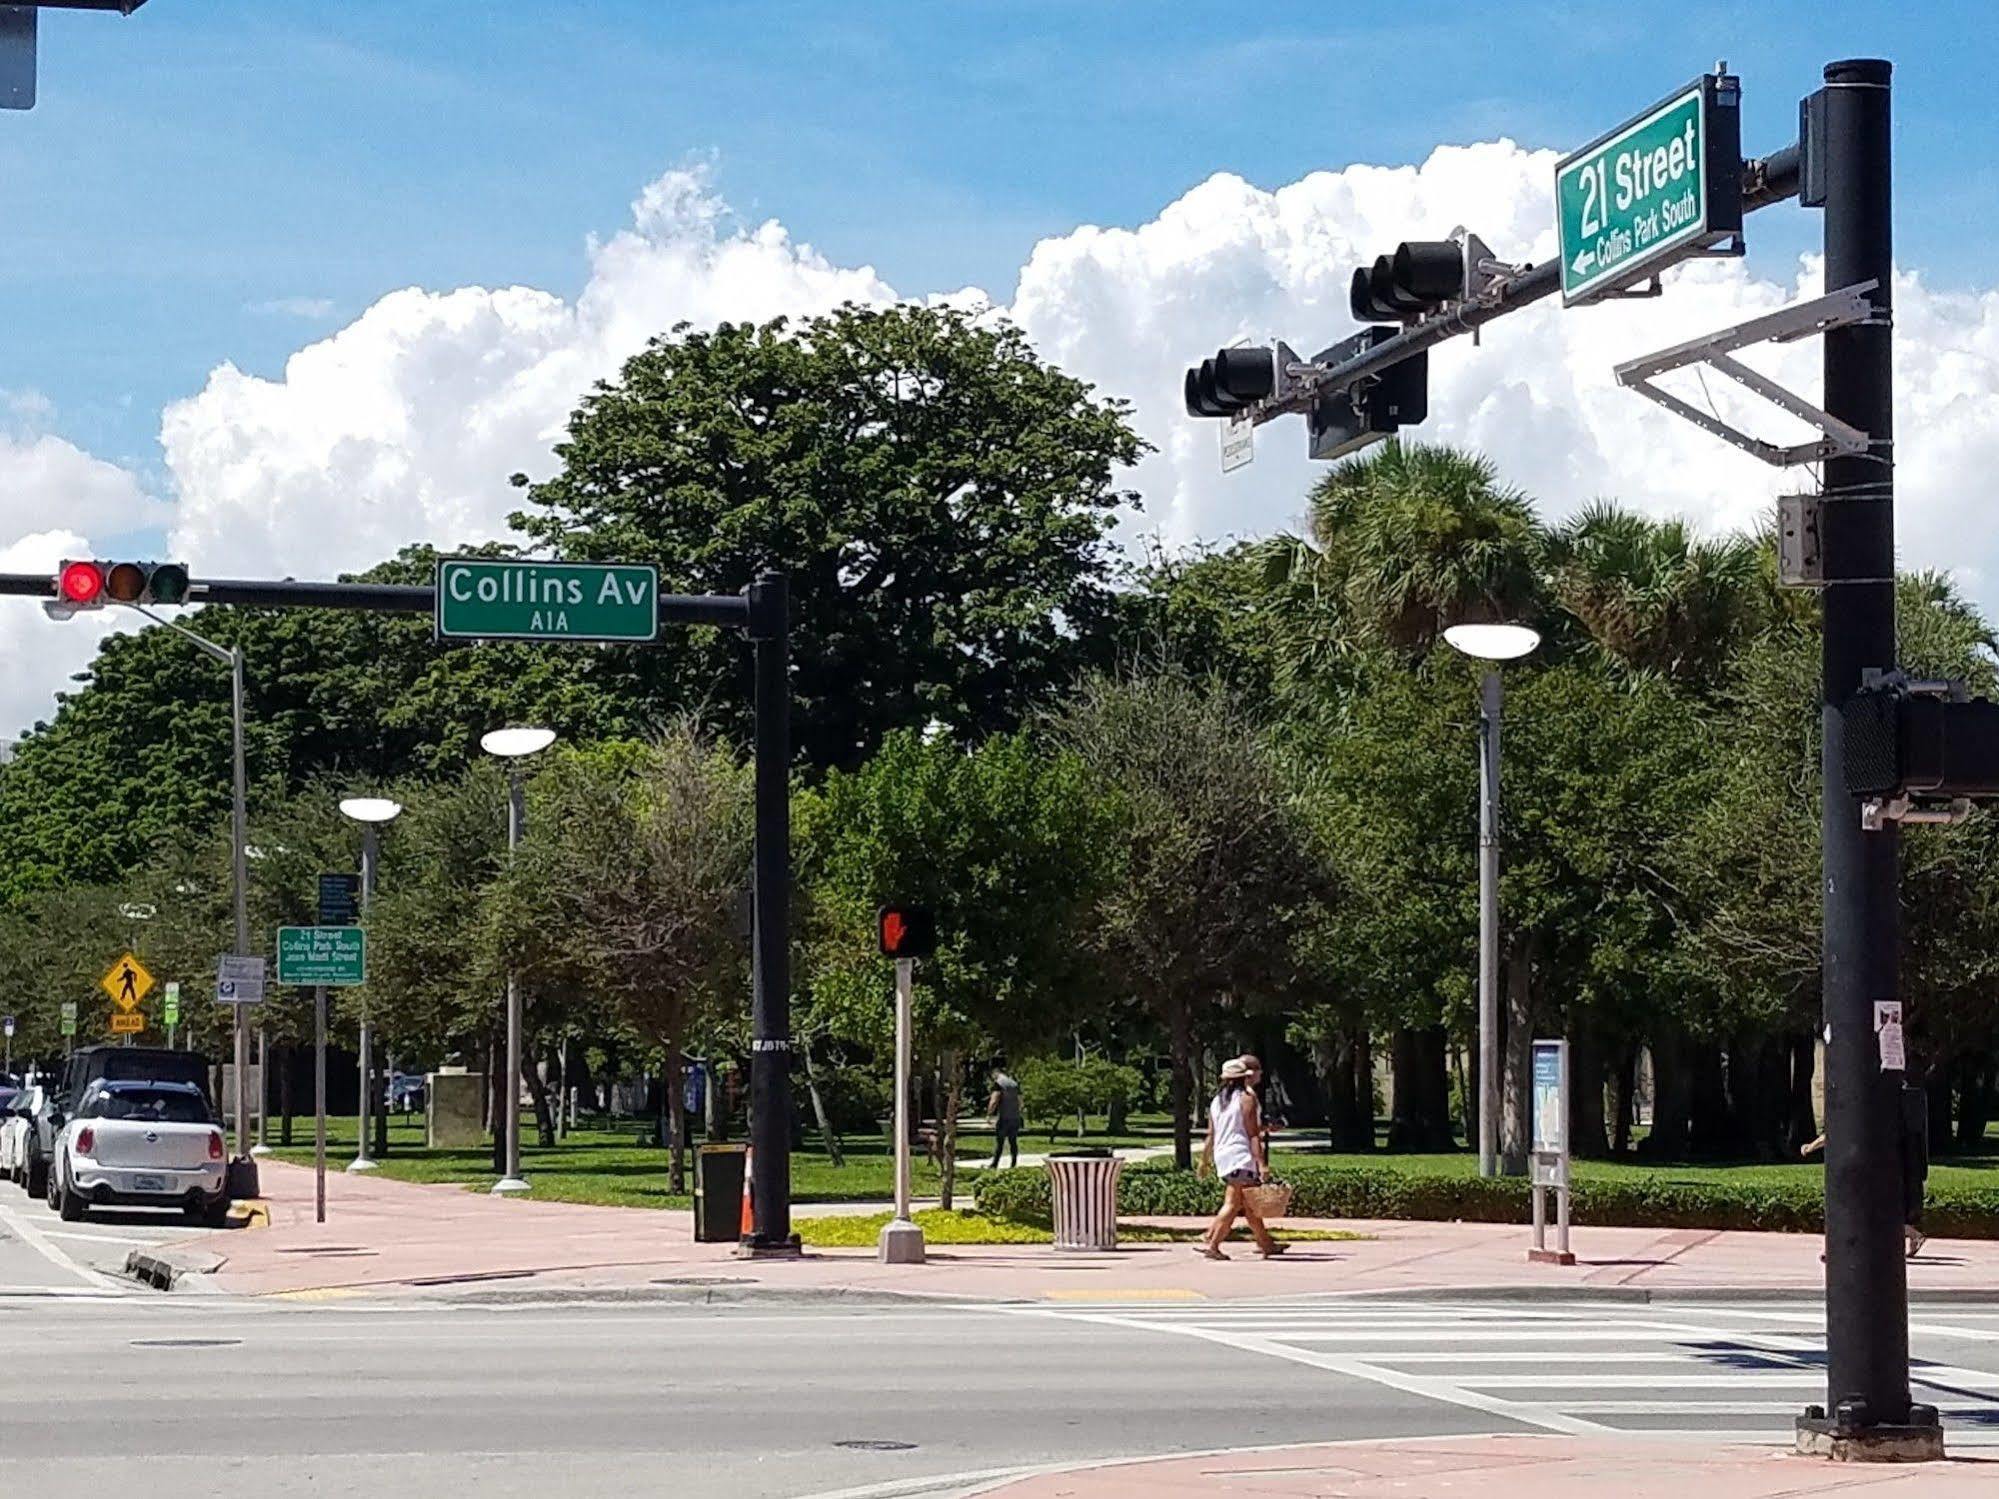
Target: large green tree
{"x":939,"y":497}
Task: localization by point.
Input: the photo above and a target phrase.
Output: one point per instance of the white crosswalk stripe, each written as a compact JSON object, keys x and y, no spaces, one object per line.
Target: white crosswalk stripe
{"x":1663,"y":1369}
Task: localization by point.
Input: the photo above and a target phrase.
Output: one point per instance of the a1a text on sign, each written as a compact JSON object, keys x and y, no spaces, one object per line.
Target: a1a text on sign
{"x":1657,"y":189}
{"x":332,"y":955}
{"x":481,"y":598}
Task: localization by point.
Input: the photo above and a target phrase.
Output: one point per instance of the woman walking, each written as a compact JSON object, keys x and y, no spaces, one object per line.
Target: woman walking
{"x":1235,"y":1146}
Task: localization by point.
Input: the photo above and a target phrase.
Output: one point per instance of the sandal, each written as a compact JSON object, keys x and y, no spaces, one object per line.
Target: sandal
{"x":1273,"y":1251}
{"x":1208,"y":1251}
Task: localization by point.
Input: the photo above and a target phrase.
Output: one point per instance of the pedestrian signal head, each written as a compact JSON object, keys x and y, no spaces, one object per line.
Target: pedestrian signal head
{"x":906,"y":931}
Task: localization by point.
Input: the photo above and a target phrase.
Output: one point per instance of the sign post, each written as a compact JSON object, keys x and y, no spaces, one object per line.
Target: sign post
{"x":1551,"y":1151}
{"x":170,"y":1012}
{"x":7,"y":1027}
{"x":904,"y":933}
{"x":1657,"y":190}
{"x":484,"y":598}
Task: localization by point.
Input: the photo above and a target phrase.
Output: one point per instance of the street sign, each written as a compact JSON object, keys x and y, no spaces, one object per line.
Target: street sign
{"x":481,"y":598}
{"x":1238,"y":443}
{"x":7,"y":1026}
{"x":339,"y":899}
{"x":69,"y":1017}
{"x":239,"y":979}
{"x":127,"y":1025}
{"x":1658,"y":189}
{"x":170,"y":1009}
{"x":332,"y":955}
{"x":127,"y":983}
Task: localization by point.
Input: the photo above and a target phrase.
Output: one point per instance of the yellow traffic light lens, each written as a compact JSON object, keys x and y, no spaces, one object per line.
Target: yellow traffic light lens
{"x":125,"y":582}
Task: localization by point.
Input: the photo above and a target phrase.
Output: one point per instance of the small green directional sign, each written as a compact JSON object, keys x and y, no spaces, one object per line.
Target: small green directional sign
{"x":1653,"y":191}
{"x":336,"y":956}
{"x":483,"y":598}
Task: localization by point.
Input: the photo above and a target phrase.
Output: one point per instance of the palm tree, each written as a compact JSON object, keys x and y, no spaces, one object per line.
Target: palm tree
{"x":1655,"y":597}
{"x":1416,"y":537}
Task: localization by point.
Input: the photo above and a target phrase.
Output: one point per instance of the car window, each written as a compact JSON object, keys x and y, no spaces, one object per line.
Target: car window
{"x":148,"y":1105}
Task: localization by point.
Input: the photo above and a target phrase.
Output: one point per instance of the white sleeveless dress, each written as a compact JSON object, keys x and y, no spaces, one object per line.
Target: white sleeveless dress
{"x":1232,"y":1154}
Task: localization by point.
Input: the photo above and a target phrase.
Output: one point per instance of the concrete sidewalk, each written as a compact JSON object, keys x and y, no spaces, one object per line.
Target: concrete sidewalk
{"x":1508,"y":1467}
{"x":384,"y":1235}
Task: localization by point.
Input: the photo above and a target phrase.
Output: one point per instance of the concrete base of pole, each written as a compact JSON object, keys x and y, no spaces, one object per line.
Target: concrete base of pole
{"x":752,"y":1249}
{"x":1819,"y":1435}
{"x":511,"y":1186}
{"x":360,"y":1165}
{"x":242,"y":1179}
{"x":260,"y":1150}
{"x":1550,"y":1257}
{"x":901,"y":1243}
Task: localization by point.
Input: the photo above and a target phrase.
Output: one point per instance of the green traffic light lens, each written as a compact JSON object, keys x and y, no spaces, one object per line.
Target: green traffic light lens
{"x":169,"y":583}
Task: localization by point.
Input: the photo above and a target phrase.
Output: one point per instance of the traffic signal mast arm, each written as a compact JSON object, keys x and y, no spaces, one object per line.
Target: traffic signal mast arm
{"x":1765,"y":181}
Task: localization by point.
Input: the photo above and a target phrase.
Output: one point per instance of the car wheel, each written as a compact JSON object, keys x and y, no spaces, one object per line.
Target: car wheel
{"x":37,"y":1180}
{"x":52,"y":1186}
{"x":69,"y":1206}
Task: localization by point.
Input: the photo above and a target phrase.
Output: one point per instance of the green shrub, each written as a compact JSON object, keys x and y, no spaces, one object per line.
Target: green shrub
{"x":1022,"y":1195}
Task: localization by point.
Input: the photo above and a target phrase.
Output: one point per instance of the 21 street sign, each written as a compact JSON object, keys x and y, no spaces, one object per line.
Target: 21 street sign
{"x":480,"y":598}
{"x":333,"y":955}
{"x":1654,"y":191}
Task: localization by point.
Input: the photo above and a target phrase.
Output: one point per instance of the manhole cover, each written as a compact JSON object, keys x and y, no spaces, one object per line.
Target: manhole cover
{"x":186,"y":1342}
{"x":875,"y":1444}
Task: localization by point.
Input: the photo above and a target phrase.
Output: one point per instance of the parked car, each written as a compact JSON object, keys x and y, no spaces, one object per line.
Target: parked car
{"x":17,"y":1122}
{"x":132,"y":1063}
{"x":406,"y":1093}
{"x":140,"y":1143}
{"x":39,"y":1125}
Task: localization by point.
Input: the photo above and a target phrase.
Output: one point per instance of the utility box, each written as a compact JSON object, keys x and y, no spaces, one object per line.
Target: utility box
{"x":718,"y":1193}
{"x":454,"y":1109}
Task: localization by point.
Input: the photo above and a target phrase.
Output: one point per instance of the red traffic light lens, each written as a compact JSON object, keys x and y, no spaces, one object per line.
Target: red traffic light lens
{"x":125,"y":582}
{"x":81,"y":582}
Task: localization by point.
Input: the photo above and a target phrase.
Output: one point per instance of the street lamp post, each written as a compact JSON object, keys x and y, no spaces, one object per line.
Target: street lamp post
{"x":242,"y":1170}
{"x":1491,"y":644}
{"x":514,"y":745}
{"x":371,"y":812}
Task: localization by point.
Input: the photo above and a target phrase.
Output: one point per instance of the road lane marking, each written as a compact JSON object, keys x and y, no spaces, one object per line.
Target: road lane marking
{"x":33,"y":1237}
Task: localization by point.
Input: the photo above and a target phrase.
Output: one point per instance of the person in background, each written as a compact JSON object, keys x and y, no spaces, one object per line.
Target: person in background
{"x":1003,"y":1108}
{"x":1235,"y":1151}
{"x":1915,"y":1165}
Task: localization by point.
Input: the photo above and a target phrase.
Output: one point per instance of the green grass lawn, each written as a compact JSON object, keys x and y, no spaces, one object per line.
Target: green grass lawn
{"x":1955,"y":1171}
{"x":602,"y":1164}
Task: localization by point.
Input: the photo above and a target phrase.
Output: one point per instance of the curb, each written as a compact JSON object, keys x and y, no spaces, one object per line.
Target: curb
{"x":162,"y":1269}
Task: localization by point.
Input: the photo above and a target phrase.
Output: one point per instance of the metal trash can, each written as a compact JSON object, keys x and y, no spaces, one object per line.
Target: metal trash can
{"x":1084,"y":1187}
{"x":718,"y":1193}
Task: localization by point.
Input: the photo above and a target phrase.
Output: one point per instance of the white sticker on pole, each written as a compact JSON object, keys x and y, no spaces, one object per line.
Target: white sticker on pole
{"x":1888,"y":1032}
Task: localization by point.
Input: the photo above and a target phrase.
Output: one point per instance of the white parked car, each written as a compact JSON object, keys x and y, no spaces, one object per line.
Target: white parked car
{"x":140,"y":1144}
{"x":16,"y":1119}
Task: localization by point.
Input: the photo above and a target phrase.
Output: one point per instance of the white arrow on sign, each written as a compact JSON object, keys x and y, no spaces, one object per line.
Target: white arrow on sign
{"x":1585,"y":262}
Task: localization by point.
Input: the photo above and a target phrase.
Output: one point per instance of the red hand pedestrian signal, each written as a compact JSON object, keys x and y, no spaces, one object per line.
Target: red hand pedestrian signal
{"x":905,"y":931}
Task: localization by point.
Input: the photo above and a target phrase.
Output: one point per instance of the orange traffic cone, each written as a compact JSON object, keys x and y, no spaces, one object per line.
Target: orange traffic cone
{"x":749,"y":1213}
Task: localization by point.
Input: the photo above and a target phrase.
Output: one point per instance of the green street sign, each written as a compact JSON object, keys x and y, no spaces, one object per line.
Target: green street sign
{"x":479,"y":598}
{"x":1654,"y":191}
{"x":170,"y":1010}
{"x":69,"y":1017}
{"x":336,"y":956}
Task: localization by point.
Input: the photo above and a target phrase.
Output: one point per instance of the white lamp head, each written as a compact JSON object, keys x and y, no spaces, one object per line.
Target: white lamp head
{"x":1493,"y":642}
{"x":370,"y":808}
{"x":511,"y":743}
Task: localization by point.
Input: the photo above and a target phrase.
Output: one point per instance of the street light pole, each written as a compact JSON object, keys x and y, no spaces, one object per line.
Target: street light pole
{"x":513,"y":745}
{"x":1491,"y":644}
{"x":362,"y":1162}
{"x":239,"y":837}
{"x":1490,"y":701}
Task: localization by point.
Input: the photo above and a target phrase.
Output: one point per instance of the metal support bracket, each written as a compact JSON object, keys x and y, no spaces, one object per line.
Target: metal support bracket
{"x":1878,"y":811}
{"x":1838,"y":309}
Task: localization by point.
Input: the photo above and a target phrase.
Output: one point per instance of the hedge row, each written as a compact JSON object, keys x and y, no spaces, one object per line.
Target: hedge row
{"x":1022,"y":1194}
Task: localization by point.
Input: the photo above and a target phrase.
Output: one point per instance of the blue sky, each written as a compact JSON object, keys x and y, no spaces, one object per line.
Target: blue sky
{"x":227,"y":179}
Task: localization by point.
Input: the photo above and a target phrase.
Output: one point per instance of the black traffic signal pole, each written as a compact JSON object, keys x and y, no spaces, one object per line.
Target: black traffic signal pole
{"x":1867,"y":1319}
{"x":763,"y":613}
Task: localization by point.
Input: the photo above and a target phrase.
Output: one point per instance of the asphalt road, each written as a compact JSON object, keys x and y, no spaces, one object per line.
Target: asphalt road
{"x":107,"y":1388}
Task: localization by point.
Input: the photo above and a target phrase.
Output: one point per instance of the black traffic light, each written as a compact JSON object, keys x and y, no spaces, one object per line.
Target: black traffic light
{"x":91,"y":584}
{"x":1232,"y":381}
{"x":1418,"y":279}
{"x":1926,"y":746}
{"x":17,"y":43}
{"x":1345,"y":421}
{"x":906,"y":931}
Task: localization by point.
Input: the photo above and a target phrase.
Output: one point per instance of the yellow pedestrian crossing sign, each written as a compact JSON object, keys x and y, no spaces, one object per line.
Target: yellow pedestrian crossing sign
{"x":127,"y":983}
